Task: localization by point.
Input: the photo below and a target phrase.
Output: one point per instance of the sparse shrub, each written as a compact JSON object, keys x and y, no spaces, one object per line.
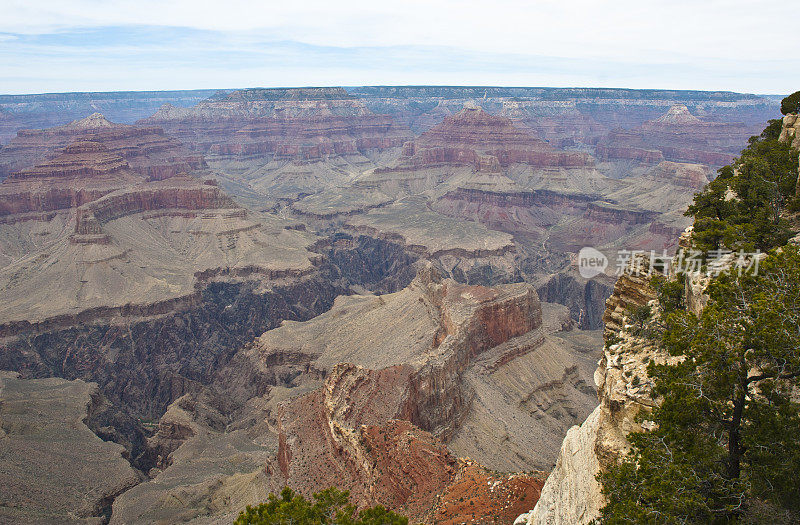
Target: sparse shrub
{"x":329,"y":507}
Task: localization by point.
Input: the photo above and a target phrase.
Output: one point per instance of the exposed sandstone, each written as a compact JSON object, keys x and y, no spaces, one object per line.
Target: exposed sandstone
{"x":475,"y":138}
{"x":677,"y":135}
{"x":571,"y":494}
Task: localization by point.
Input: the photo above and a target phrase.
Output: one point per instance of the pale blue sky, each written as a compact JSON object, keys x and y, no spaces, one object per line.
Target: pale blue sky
{"x":93,"y":45}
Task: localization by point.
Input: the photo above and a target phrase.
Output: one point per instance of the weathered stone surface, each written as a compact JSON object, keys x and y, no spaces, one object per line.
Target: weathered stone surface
{"x":571,"y":494}
{"x":53,"y":469}
{"x":484,"y":497}
{"x":789,"y":133}
{"x":473,"y":137}
{"x":677,"y":135}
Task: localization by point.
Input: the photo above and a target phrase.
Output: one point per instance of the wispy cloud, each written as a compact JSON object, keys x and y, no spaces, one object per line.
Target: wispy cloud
{"x":144,"y":44}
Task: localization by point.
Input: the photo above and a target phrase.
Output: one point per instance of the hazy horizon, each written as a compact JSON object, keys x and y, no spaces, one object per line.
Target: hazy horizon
{"x":50,"y":47}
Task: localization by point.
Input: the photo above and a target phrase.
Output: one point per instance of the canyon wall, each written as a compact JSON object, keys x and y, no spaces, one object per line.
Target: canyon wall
{"x":571,"y":494}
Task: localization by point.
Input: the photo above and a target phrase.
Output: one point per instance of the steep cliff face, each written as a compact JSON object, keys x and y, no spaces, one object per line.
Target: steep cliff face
{"x":486,"y":142}
{"x":571,"y":494}
{"x":677,"y":135}
{"x":301,"y":124}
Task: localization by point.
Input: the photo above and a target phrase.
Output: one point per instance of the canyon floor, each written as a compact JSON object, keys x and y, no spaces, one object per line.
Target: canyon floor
{"x":208,"y":296}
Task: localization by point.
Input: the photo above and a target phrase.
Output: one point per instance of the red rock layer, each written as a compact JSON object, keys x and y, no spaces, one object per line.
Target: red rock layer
{"x":676,"y":136}
{"x":377,"y":432}
{"x":482,"y":497}
{"x":83,"y":159}
{"x":84,"y":172}
{"x":347,"y":435}
{"x":147,"y":150}
{"x":512,"y":211}
{"x":183,"y":193}
{"x":300,"y":124}
{"x":469,"y":137}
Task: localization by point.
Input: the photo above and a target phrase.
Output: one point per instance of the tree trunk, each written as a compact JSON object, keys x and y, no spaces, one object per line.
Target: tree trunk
{"x":735,"y":448}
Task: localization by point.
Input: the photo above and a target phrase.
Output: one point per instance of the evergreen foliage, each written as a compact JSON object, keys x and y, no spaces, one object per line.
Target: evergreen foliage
{"x":791,"y":104}
{"x":742,"y":208}
{"x":329,"y":507}
{"x":726,"y":443}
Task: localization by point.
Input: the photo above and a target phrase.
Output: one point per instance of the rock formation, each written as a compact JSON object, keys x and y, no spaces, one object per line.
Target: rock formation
{"x":373,"y":421}
{"x":473,"y":137}
{"x":54,"y":468}
{"x":789,"y":133}
{"x":676,"y":136}
{"x":147,"y":150}
{"x":571,"y":493}
{"x":284,"y":141}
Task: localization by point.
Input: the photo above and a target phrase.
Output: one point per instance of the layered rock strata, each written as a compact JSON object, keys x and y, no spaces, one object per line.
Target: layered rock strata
{"x":677,"y":135}
{"x":572,"y":494}
{"x":300,"y":124}
{"x":147,"y":150}
{"x":486,"y":142}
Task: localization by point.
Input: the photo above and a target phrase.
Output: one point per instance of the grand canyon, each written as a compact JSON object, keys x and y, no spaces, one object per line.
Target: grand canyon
{"x":210,"y":295}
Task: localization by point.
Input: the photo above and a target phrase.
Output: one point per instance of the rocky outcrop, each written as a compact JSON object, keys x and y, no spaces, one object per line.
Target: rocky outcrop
{"x":789,"y":134}
{"x":486,"y":142}
{"x":678,"y":136}
{"x":789,"y":130}
{"x":179,"y":193}
{"x":55,"y":470}
{"x":148,"y":151}
{"x":571,"y":494}
{"x":380,"y":432}
{"x":353,"y":434}
{"x":300,"y":124}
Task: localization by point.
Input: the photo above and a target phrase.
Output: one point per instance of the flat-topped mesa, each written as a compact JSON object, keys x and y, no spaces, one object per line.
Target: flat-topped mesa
{"x":178,"y":193}
{"x":84,"y":159}
{"x":148,"y":150}
{"x":297,"y":123}
{"x":677,"y":135}
{"x":472,"y":135}
{"x":310,"y":93}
